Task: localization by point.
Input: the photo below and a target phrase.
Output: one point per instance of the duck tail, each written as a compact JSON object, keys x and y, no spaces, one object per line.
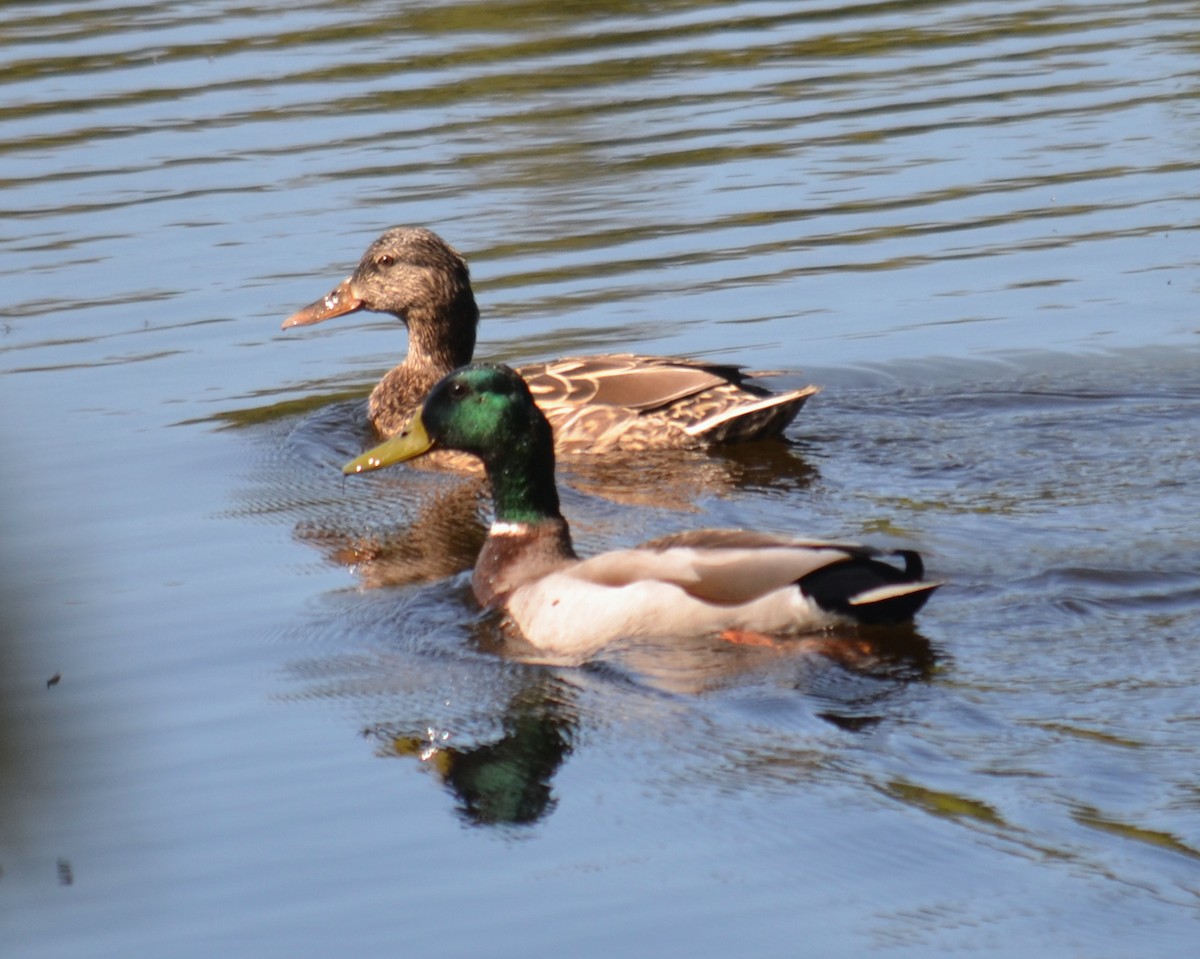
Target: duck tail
{"x":887,"y":605}
{"x":870,"y":591}
{"x":759,"y":417}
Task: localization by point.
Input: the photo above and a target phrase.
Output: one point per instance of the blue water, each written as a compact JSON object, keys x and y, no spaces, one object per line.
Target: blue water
{"x":249,"y":707}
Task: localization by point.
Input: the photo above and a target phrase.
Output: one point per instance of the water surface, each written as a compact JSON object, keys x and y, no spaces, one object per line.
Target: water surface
{"x":248,"y":706}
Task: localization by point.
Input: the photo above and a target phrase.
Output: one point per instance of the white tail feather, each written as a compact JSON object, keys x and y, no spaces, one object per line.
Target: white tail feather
{"x":883,"y":593}
{"x":745,"y":409}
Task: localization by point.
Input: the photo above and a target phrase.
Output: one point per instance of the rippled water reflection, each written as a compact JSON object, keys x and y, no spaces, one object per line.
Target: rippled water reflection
{"x":279,"y":721}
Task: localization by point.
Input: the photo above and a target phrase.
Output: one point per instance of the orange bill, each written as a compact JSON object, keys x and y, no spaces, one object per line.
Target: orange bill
{"x":337,"y":303}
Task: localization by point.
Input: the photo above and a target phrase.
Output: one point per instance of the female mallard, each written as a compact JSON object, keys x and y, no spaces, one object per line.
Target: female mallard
{"x":706,"y":582}
{"x":595,"y":404}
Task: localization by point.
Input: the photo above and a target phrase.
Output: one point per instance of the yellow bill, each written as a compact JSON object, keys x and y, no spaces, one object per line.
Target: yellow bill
{"x":408,"y":444}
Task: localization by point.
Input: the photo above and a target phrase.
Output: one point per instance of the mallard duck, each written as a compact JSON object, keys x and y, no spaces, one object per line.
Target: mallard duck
{"x":596,"y":404}
{"x":741,"y":585}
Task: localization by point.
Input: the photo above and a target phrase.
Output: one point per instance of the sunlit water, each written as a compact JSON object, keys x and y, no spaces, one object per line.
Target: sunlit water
{"x":248,"y":706}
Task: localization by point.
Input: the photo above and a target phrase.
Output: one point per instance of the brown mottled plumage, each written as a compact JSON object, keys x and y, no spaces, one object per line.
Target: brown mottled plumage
{"x":595,"y":404}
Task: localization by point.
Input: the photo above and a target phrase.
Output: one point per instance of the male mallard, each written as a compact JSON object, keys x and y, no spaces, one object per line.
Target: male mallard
{"x":595,"y":404}
{"x":705,"y":582}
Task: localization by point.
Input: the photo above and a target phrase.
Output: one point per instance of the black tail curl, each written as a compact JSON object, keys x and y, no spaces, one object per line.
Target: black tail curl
{"x":835,"y":587}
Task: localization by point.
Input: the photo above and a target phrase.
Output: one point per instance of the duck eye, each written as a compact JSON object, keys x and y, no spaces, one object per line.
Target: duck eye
{"x":458,"y":390}
{"x":384,"y":259}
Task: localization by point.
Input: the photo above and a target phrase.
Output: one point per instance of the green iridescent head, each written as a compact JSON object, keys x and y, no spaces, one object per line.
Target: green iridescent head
{"x":486,"y":410}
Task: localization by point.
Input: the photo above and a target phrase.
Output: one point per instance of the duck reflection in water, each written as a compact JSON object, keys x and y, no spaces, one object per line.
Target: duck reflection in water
{"x":508,"y":780}
{"x":447,"y":528}
{"x":442,"y":538}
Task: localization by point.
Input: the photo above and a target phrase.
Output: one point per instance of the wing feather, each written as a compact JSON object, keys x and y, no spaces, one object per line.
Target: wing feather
{"x":635,"y":382}
{"x":726,"y":576}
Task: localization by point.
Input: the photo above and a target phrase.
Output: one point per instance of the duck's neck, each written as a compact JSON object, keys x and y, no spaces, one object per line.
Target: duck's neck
{"x":441,"y":338}
{"x":529,"y":537}
{"x":441,"y":334}
{"x":522,"y":480}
